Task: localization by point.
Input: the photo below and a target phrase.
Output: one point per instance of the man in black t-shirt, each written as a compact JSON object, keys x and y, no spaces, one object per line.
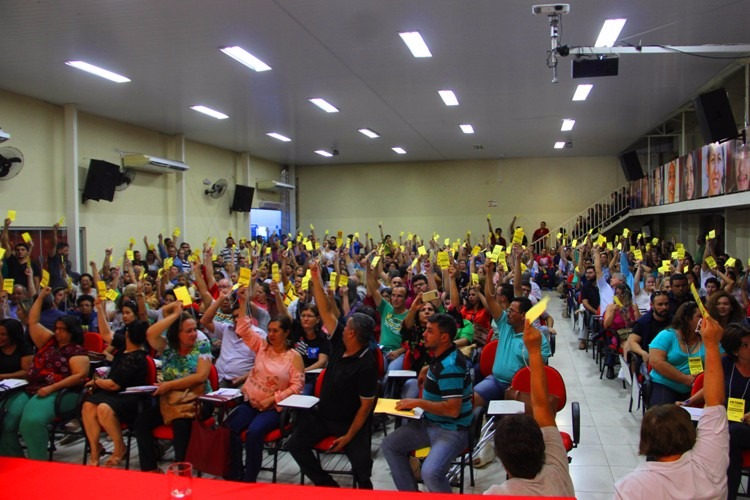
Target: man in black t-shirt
{"x":648,"y":326}
{"x":590,"y":302}
{"x":347,"y":397}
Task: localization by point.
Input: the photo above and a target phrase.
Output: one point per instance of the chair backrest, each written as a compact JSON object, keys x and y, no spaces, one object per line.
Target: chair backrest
{"x":407,"y":360}
{"x":319,"y":383}
{"x":487,"y":358}
{"x":697,"y":386}
{"x":93,"y":342}
{"x":555,"y":384}
{"x":213,"y":378}
{"x":150,"y":370}
{"x":380,"y":363}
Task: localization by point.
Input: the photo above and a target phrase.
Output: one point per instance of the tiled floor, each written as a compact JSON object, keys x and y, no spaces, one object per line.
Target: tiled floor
{"x":609,"y":433}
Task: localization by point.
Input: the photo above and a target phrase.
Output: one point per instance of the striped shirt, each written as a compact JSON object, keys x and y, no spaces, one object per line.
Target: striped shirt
{"x":448,"y":377}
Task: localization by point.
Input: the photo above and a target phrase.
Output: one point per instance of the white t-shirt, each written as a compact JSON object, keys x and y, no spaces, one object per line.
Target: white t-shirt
{"x":700,"y":473}
{"x":554,"y":478}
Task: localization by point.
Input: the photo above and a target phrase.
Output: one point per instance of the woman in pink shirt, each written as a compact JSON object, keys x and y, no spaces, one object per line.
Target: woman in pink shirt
{"x":278,"y":373}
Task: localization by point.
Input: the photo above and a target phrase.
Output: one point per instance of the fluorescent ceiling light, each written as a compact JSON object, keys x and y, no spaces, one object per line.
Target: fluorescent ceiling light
{"x":582,"y":92}
{"x":100,"y":72}
{"x":467,"y":129}
{"x":567,"y":125}
{"x":324,"y":105}
{"x":369,"y":133}
{"x":609,"y":33}
{"x":280,"y":137}
{"x":560,"y":145}
{"x":241,"y":55}
{"x":210,"y":112}
{"x":400,"y":151}
{"x":448,"y":97}
{"x":416,"y":44}
{"x":323,"y":152}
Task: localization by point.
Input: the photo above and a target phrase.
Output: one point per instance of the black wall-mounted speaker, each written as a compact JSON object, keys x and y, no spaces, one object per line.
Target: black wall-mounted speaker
{"x":715,"y":116}
{"x":101,"y":181}
{"x":243,"y":199}
{"x":631,"y":166}
{"x":590,"y":68}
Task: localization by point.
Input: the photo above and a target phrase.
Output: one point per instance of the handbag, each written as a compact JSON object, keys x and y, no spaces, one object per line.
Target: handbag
{"x":525,"y":398}
{"x":180,"y":403}
{"x":208,"y":449}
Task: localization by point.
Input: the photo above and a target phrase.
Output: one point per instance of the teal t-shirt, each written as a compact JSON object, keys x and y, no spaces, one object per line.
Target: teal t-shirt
{"x":511,"y":353}
{"x":668,"y":342}
{"x":390,"y":326}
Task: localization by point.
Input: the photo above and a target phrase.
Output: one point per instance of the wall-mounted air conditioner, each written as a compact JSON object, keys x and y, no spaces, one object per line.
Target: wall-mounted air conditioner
{"x":270,"y":185}
{"x":271,"y":205}
{"x":4,"y":136}
{"x":153,"y":164}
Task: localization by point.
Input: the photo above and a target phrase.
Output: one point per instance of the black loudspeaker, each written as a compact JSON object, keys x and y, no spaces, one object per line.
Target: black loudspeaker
{"x":589,"y":68}
{"x":715,"y":116}
{"x":631,"y":166}
{"x":243,"y":199}
{"x":101,"y":181}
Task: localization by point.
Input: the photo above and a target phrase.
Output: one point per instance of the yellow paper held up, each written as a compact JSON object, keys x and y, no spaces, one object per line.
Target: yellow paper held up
{"x":712,"y":234}
{"x":375,"y":260}
{"x":244,"y":278}
{"x":518,"y":235}
{"x":474,"y":279}
{"x":183,"y":295}
{"x":332,"y":281}
{"x":343,"y":280}
{"x":537,"y":310}
{"x":101,"y":288}
{"x":12,"y":215}
{"x":131,"y":255}
{"x":414,"y":262}
{"x":710,"y":262}
{"x":112,"y":295}
{"x":443,"y":260}
{"x":681,"y":253}
{"x":575,"y":243}
{"x":617,"y":301}
{"x":176,"y":232}
{"x":45,"y":278}
{"x":731,"y":261}
{"x":475,"y":251}
{"x":655,"y":241}
{"x":8,"y":285}
{"x":2,"y":253}
{"x":308,"y":246}
{"x":26,"y":237}
{"x":697,"y":298}
{"x":638,"y":254}
{"x":422,"y":251}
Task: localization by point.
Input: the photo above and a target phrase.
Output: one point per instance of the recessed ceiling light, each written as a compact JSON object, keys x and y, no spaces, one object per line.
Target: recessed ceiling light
{"x":609,"y":33}
{"x":100,"y":72}
{"x":582,"y":92}
{"x":560,"y":145}
{"x":567,"y":124}
{"x":369,"y":133}
{"x":210,"y":112}
{"x":246,"y":58}
{"x":467,"y":129}
{"x":280,"y":137}
{"x":400,"y":151}
{"x":324,"y":105}
{"x":416,"y":44}
{"x":448,"y":97}
{"x":323,"y":152}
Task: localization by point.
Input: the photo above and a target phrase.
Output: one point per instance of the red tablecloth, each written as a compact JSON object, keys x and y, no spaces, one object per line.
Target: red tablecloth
{"x":30,"y":479}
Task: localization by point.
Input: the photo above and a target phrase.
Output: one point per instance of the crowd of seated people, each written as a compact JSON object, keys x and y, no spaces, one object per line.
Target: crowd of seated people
{"x":279,"y":308}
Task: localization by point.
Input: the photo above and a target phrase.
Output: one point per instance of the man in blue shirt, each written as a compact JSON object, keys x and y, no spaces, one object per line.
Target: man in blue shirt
{"x":447,"y":406}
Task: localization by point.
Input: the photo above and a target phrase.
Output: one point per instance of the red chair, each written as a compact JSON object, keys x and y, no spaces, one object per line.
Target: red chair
{"x":487,"y":358}
{"x":93,"y":342}
{"x":556,"y":387}
{"x":697,"y":386}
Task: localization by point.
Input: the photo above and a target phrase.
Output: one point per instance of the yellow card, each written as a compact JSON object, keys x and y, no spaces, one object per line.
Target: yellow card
{"x":712,"y":234}
{"x":414,"y":262}
{"x":474,"y":279}
{"x":674,"y":255}
{"x":61,"y":222}
{"x":45,"y":278}
{"x":447,"y":242}
{"x":686,"y":269}
{"x":619,"y":246}
{"x":213,"y":258}
{"x":168,"y":263}
{"x":609,"y":246}
{"x":625,"y":232}
{"x":422,"y":250}
{"x":602,"y":240}
{"x":638,"y":254}
{"x":664,"y":269}
{"x":152,"y":247}
{"x":518,"y":235}
{"x":288,"y":245}
{"x":574,"y":244}
{"x":8,"y":285}
{"x":275,"y":272}
{"x":680,"y":245}
{"x":332,"y":280}
{"x":655,"y":241}
{"x":695,"y":364}
{"x":443,"y":260}
{"x":26,"y":237}
{"x":130,"y":255}
{"x":475,"y":251}
{"x":356,"y":236}
{"x":409,"y":236}
{"x":488,"y":216}
{"x":2,"y":253}
{"x":312,"y":228}
{"x":497,"y":249}
{"x":524,"y":267}
{"x":343,"y":280}
{"x":374,"y":263}
{"x":230,"y":234}
{"x":268,"y":250}
{"x":680,"y":253}
{"x":112,"y":295}
{"x":731,"y":261}
{"x":537,"y":309}
{"x":244,"y":278}
{"x":559,"y":235}
{"x":308,"y":246}
{"x":305,"y":283}
{"x":183,"y":295}
{"x":698,"y":300}
{"x":735,"y":409}
{"x":101,"y":287}
{"x":132,"y":241}
{"x":617,"y":301}
{"x":710,"y":262}
{"x":119,"y":261}
{"x":160,"y":273}
{"x":12,"y":215}
{"x":501,"y":257}
{"x":176,"y":231}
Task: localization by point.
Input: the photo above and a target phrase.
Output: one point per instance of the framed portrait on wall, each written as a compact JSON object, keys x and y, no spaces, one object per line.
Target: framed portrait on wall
{"x":713,"y":169}
{"x":671,"y":184}
{"x":657,"y":186}
{"x":644,"y":201}
{"x":690,"y":176}
{"x":738,"y":166}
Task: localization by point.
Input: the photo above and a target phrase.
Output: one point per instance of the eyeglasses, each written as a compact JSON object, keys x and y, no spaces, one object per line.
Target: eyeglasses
{"x":513,"y":311}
